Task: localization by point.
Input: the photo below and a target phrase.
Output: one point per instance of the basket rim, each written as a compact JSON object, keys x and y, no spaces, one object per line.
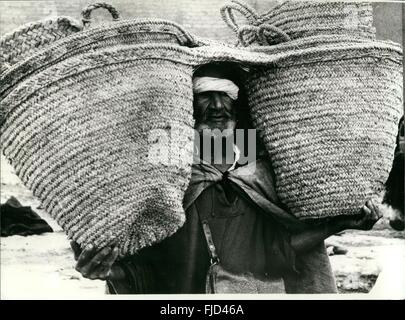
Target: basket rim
{"x":26,"y":81}
{"x":122,"y":27}
{"x":43,"y":22}
{"x":293,"y":6}
{"x":96,"y":29}
{"x":205,"y":52}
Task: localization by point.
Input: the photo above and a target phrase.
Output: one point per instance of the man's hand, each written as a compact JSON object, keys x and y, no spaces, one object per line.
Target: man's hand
{"x":97,"y":264}
{"x":307,"y":239}
{"x":370,"y":214}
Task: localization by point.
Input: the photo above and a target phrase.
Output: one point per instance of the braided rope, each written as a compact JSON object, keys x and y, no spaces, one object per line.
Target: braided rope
{"x":265,"y":28}
{"x":86,"y":13}
{"x":227,"y":15}
{"x":248,"y":34}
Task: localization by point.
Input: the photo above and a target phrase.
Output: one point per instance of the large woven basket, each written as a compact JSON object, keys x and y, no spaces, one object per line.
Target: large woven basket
{"x":98,"y":123}
{"x":329,"y":127}
{"x":327,"y":117}
{"x":102,"y":135}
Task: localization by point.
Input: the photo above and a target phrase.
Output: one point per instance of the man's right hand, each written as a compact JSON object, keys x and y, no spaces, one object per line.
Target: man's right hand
{"x":370,"y":214}
{"x":97,"y":264}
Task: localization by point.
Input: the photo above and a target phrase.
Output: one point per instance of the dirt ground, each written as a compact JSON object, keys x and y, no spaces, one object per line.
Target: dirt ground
{"x":42,"y":266}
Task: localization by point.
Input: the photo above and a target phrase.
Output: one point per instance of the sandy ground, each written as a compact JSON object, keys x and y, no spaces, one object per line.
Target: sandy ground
{"x":42,"y":266}
{"x":39,"y":266}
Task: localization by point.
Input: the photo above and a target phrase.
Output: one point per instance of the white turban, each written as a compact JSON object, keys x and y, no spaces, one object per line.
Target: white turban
{"x":203,"y":84}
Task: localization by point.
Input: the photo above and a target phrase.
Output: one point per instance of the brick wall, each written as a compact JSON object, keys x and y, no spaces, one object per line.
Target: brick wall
{"x":200,"y":17}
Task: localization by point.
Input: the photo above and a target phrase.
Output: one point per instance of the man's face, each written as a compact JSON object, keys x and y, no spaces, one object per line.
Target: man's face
{"x":214,"y":110}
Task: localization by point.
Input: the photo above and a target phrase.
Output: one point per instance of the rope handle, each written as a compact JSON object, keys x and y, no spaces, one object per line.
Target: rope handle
{"x":244,"y":9}
{"x":254,"y":28}
{"x":86,"y":13}
{"x":247,"y":29}
{"x":260,"y":33}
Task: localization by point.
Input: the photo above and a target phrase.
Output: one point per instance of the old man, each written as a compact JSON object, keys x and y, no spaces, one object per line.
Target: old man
{"x":233,"y":205}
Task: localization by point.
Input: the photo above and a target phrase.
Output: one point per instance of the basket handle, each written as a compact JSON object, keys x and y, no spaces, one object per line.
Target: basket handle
{"x":261,"y":33}
{"x":86,"y":13}
{"x":248,"y":34}
{"x":229,"y":18}
{"x":244,"y":32}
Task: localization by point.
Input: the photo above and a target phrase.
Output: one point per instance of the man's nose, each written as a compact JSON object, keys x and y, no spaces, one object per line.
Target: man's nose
{"x":216,"y":101}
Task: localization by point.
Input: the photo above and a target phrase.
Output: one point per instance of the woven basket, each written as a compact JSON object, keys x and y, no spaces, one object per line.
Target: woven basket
{"x":29,"y":38}
{"x":299,"y":19}
{"x":329,"y":127}
{"x":81,"y":118}
{"x":327,"y":117}
{"x":87,"y":123}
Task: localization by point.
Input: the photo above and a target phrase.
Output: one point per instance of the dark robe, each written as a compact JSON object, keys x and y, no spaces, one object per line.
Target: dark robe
{"x":251,"y":232}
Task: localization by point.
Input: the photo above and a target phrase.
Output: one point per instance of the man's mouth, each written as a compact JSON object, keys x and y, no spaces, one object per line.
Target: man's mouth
{"x":216,"y":117}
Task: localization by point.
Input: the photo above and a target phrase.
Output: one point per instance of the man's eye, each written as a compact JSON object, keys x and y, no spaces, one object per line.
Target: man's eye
{"x":203,"y":99}
{"x":225,"y":96}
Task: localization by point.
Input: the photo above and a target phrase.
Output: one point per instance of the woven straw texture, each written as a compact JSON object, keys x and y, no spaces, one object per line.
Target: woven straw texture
{"x":304,"y":19}
{"x":29,"y":38}
{"x":82,"y":143}
{"x":329,"y":128}
{"x":299,"y":19}
{"x":98,"y":124}
{"x":104,"y":139}
{"x":328,"y":119}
